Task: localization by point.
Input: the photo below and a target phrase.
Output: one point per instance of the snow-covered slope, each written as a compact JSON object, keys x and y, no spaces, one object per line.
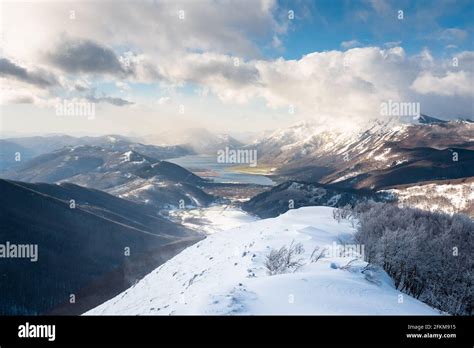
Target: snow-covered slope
{"x":225,"y":274}
{"x":380,"y":154}
{"x":309,"y":141}
{"x":449,"y":198}
{"x":212,"y":219}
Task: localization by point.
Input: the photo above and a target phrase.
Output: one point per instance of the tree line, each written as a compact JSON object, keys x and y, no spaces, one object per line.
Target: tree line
{"x":429,"y":255}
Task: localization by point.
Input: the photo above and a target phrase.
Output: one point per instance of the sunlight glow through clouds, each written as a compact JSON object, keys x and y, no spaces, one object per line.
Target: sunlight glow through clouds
{"x":217,"y":47}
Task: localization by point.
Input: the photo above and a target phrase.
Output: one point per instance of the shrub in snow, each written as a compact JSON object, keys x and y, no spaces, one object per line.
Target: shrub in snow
{"x":428,"y":255}
{"x":348,"y":266}
{"x":344,"y":213}
{"x":317,"y":254}
{"x":284,"y":259}
{"x":371,"y":273}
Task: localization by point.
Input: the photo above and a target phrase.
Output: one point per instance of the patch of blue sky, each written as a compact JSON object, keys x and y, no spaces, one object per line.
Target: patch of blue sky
{"x":323,"y":25}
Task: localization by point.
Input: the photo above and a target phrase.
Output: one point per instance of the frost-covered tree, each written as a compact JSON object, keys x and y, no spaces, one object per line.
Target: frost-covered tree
{"x":428,"y":255}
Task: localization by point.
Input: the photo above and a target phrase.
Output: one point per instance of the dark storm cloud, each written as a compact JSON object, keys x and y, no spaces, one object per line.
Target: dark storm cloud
{"x":246,"y":74}
{"x":86,"y":56}
{"x":22,"y":99}
{"x":110,"y":100}
{"x":38,"y":78}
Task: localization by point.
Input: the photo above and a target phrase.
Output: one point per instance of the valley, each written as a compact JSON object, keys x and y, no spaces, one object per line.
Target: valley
{"x":206,"y":166}
{"x":251,"y":167}
{"x":164,"y":202}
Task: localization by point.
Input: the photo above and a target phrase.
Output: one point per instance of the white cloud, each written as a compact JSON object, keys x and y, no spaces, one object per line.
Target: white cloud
{"x":450,"y":84}
{"x":380,"y":6}
{"x":391,"y":44}
{"x":217,"y":48}
{"x":122,"y":86}
{"x":164,"y":100}
{"x":331,"y":85}
{"x":154,"y":26}
{"x":453,"y":34}
{"x":18,"y":93}
{"x":276,"y":42}
{"x":350,"y":44}
{"x":135,"y":43}
{"x":14,"y":96}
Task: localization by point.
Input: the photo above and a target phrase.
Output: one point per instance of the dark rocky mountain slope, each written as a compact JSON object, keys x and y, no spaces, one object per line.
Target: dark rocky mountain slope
{"x":82,"y":251}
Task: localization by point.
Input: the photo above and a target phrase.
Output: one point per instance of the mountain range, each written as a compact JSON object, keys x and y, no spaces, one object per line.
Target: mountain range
{"x":379,"y":156}
{"x":84,"y":201}
{"x":29,"y":147}
{"x":126,"y":174}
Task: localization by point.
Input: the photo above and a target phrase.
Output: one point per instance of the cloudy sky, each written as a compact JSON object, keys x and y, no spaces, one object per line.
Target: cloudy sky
{"x":230,"y":66}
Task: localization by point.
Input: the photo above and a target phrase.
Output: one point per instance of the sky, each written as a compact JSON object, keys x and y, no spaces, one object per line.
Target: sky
{"x":229,"y":66}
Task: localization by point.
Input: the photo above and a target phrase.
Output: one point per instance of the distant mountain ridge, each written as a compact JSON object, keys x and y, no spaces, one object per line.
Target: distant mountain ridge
{"x":310,"y":153}
{"x":29,"y":147}
{"x":155,"y":182}
{"x":424,"y":119}
{"x":293,"y":195}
